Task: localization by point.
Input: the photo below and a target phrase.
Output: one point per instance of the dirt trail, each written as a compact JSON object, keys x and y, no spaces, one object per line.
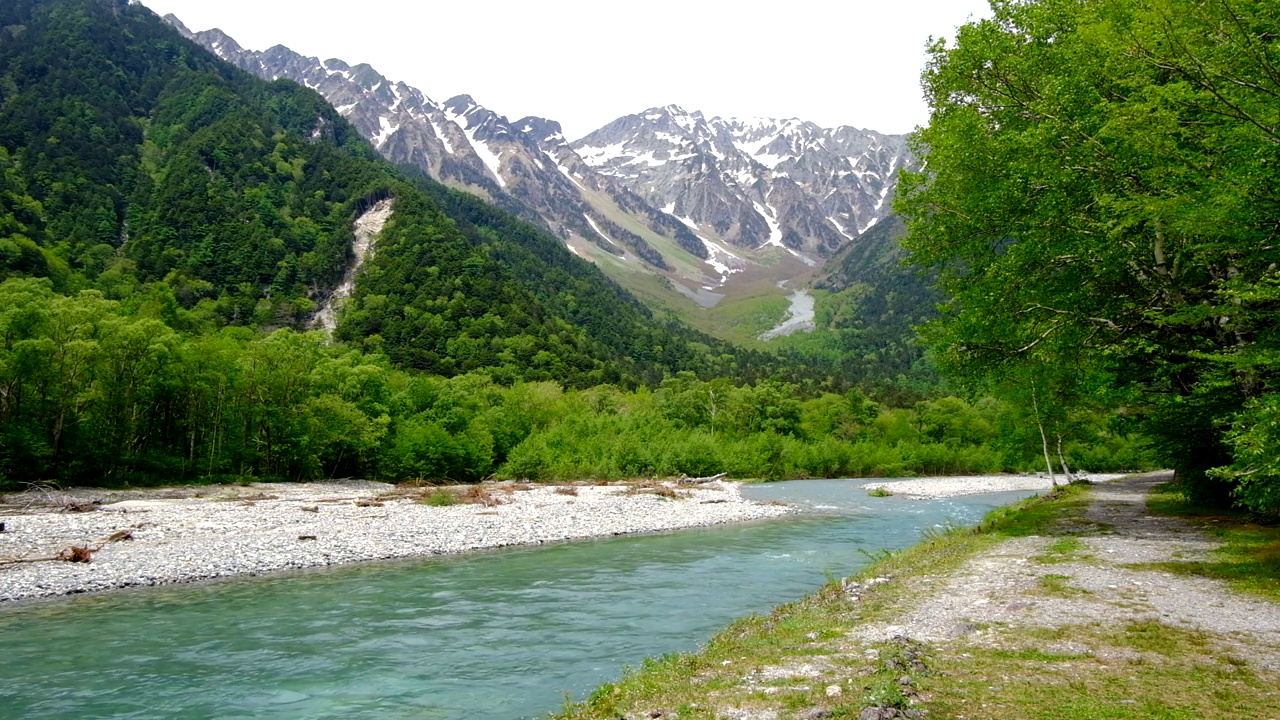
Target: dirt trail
{"x":1003,"y":588}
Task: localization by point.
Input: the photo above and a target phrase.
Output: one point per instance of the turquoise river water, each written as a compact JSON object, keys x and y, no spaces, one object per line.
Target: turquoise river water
{"x":506,"y":634}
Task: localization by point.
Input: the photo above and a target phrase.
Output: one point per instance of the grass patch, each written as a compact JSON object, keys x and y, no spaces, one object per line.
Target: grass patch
{"x":879,"y":492}
{"x":1054,"y":584}
{"x":1249,"y":559}
{"x":1143,"y":671}
{"x":440,"y":497}
{"x":813,"y":630}
{"x":1063,"y":550}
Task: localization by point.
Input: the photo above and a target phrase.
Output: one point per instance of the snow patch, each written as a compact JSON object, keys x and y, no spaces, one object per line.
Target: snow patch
{"x":490,"y":158}
{"x":444,"y":139}
{"x":671,"y":210}
{"x":840,"y":228}
{"x":775,"y":230}
{"x":596,"y":227}
{"x":486,"y":154}
{"x":772,"y":161}
{"x":388,"y":129}
{"x":650,"y":158}
{"x":721,"y":260}
{"x":564,"y":170}
{"x":597,"y":156}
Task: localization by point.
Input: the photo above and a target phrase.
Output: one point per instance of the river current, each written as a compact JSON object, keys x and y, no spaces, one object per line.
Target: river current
{"x":502,"y":635}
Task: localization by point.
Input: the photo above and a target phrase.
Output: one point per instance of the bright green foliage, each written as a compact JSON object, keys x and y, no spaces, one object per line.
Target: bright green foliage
{"x":94,"y":392}
{"x":610,"y":435}
{"x":91,"y":395}
{"x":1100,"y":198}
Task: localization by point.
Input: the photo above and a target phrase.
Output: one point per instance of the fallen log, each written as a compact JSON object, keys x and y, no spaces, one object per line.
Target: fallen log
{"x":701,"y":480}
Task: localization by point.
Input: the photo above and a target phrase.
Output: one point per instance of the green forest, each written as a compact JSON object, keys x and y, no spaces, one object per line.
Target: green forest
{"x":98,"y":392}
{"x":1102,"y":206}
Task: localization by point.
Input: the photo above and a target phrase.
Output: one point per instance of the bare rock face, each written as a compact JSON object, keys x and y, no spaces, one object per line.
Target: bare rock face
{"x":753,"y":182}
{"x":366,"y":229}
{"x":663,"y":188}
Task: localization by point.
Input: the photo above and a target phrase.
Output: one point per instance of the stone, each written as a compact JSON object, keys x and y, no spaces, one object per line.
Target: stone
{"x":834,"y":691}
{"x":878,"y":713}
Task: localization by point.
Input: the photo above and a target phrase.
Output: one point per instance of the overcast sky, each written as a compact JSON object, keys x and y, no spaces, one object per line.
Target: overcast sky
{"x":838,"y":62}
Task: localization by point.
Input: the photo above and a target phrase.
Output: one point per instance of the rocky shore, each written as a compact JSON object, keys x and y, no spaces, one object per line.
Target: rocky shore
{"x":190,"y":534}
{"x":932,"y":488}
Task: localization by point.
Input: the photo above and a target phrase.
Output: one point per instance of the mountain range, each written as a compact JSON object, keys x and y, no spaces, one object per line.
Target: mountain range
{"x":666,"y":192}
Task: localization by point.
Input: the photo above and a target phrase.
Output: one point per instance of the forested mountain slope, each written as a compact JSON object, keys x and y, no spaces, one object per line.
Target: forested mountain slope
{"x":874,"y":304}
{"x":137,"y":163}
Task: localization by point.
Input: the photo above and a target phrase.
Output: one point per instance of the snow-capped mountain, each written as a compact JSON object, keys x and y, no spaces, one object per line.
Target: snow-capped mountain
{"x":692,"y":199}
{"x":753,"y":182}
{"x":460,"y":143}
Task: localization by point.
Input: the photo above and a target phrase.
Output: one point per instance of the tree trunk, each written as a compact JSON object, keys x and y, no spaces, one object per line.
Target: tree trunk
{"x":1066,"y":471}
{"x":1044,"y":439}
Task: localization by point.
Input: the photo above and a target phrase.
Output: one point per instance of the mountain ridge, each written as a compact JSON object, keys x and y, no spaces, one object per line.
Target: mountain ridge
{"x":694,"y":201}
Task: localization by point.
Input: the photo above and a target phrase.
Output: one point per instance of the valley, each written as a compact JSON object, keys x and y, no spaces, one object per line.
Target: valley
{"x":697,"y":216}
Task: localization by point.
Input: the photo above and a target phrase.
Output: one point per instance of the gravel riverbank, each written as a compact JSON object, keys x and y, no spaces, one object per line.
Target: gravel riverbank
{"x":930,"y":488}
{"x":191,"y":534}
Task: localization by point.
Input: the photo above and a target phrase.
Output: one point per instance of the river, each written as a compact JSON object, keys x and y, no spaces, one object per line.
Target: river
{"x":800,"y":317}
{"x":501,"y":635}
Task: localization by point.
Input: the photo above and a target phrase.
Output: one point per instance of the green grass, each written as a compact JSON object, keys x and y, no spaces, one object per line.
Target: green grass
{"x":1063,"y":550}
{"x":1142,"y":671}
{"x":1249,"y":559}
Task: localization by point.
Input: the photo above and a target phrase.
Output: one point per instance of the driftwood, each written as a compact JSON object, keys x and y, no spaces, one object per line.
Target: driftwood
{"x":75,"y":553}
{"x":78,"y":554}
{"x":702,"y":480}
{"x":19,"y":561}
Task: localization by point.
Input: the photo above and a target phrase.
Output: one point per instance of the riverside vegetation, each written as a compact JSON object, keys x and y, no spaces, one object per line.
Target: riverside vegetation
{"x":99,"y":393}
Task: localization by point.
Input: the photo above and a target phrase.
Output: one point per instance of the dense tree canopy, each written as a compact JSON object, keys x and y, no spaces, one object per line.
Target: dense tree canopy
{"x":1102,"y":196}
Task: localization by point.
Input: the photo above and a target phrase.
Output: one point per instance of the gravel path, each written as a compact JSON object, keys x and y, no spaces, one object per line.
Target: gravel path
{"x":1003,"y":587}
{"x":195,"y":534}
{"x":929,"y":488}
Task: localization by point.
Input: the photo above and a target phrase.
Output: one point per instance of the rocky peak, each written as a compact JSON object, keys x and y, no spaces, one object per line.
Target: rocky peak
{"x":665,"y":177}
{"x":547,"y":133}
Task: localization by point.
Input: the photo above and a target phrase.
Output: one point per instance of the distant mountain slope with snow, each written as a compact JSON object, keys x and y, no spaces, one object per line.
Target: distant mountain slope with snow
{"x":753,"y":183}
{"x":666,"y":192}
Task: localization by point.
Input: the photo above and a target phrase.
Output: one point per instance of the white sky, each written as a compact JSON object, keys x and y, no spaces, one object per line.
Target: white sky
{"x":850,"y":62}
